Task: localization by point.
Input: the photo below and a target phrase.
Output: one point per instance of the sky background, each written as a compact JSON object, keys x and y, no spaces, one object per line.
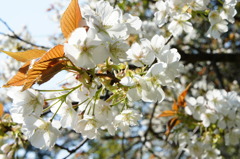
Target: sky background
{"x":30,"y":13}
{"x":34,"y":15}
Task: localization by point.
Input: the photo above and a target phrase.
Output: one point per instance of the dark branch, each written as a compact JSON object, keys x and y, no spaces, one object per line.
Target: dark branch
{"x":15,"y":36}
{"x":73,"y":150}
{"x":193,"y":58}
{"x":150,"y":123}
{"x":169,"y":40}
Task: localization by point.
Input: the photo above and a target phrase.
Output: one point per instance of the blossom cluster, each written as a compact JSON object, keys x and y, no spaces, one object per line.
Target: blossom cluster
{"x":178,"y":13}
{"x":95,"y":51}
{"x":215,"y":114}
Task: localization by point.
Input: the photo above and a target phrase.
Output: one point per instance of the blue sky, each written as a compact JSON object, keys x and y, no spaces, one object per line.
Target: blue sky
{"x":33,"y":14}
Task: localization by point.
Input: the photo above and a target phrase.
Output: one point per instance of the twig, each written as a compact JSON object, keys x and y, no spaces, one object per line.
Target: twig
{"x":150,"y":123}
{"x":15,"y":36}
{"x":169,"y":40}
{"x":73,"y":150}
{"x":119,"y":137}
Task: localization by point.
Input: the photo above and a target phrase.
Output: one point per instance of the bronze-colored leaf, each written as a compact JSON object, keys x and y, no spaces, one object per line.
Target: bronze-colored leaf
{"x":71,"y":18}
{"x":26,"y":55}
{"x":175,"y":106}
{"x":181,"y":97}
{"x":53,"y":68}
{"x":167,"y":113}
{"x":1,"y":110}
{"x":55,"y":52}
{"x":48,"y":60}
{"x":171,"y":123}
{"x":20,"y":78}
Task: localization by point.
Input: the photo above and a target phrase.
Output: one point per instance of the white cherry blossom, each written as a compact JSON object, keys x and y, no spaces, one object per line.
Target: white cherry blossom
{"x":42,"y":134}
{"x":127,"y":118}
{"x":208,"y":117}
{"x":162,"y":14}
{"x":156,"y":45}
{"x":133,"y":23}
{"x":107,"y":21}
{"x":140,"y":56}
{"x":228,"y":12}
{"x":180,"y":23}
{"x":88,"y":126}
{"x":27,"y":102}
{"x":218,"y":25}
{"x":83,"y":50}
{"x":199,"y":4}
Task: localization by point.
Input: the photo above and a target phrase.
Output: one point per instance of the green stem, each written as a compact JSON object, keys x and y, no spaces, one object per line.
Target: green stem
{"x":80,"y":103}
{"x":56,"y":112}
{"x":60,"y":90}
{"x":46,"y":109}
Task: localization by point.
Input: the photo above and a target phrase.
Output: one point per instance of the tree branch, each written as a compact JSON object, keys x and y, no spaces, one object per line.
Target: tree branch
{"x":15,"y":36}
{"x":150,"y":123}
{"x":193,"y":58}
{"x":73,"y":150}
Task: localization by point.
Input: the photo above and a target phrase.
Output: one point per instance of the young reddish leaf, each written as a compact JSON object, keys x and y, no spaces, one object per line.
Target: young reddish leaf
{"x":55,"y":52}
{"x":20,"y":78}
{"x":26,"y":55}
{"x":181,"y":97}
{"x":175,"y":106}
{"x":1,"y":110}
{"x":167,"y":113}
{"x":48,"y":60}
{"x":53,"y":68}
{"x":171,"y":123}
{"x":71,"y":18}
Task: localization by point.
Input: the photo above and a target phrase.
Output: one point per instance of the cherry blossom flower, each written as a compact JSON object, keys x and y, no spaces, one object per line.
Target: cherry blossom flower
{"x":228,"y":12}
{"x":106,"y":20}
{"x":218,"y":25}
{"x":156,"y":45}
{"x":133,"y":23}
{"x":127,"y":118}
{"x":199,"y":4}
{"x":140,"y":56}
{"x":27,"y":102}
{"x":66,"y":112}
{"x":42,"y":134}
{"x":83,"y":50}
{"x":208,"y":117}
{"x":88,"y":126}
{"x":162,"y":14}
{"x":180,"y":23}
